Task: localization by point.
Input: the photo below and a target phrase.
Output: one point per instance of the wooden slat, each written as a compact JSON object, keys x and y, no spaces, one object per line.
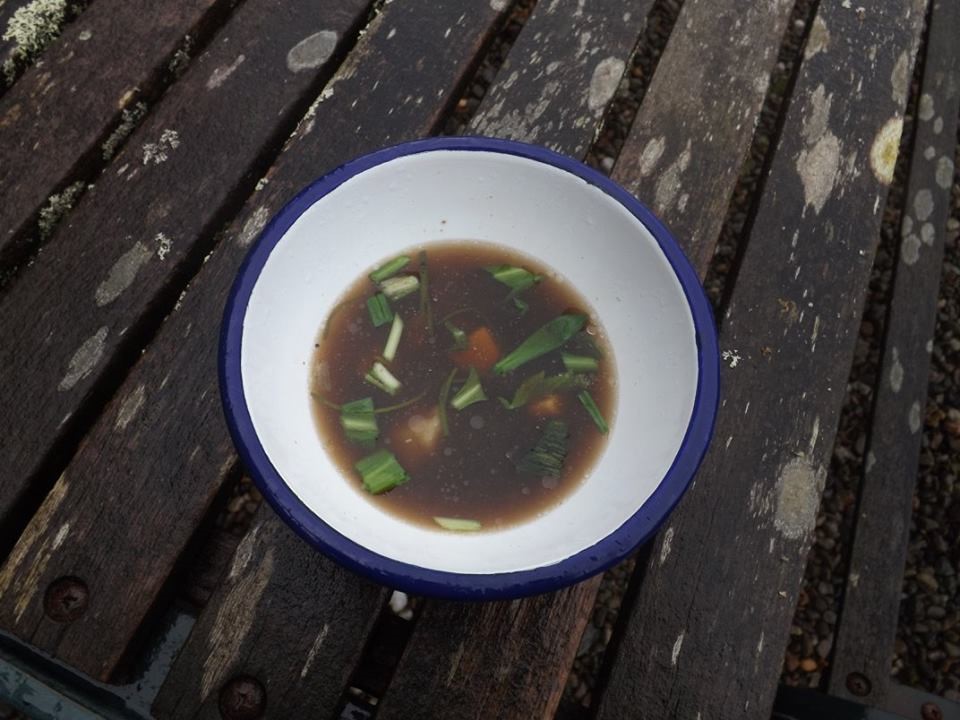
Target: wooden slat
{"x":169,"y":410}
{"x":708,"y":629}
{"x":53,"y":120}
{"x":871,"y":601}
{"x":109,"y":265}
{"x":281,"y":606}
{"x":70,"y":316}
{"x":535,"y":649}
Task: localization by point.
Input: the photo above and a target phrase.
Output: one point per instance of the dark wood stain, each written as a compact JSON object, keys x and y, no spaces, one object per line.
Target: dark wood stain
{"x":871,"y":598}
{"x":180,"y":424}
{"x":707,"y":631}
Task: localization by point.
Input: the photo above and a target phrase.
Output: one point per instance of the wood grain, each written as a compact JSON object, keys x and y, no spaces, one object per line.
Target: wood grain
{"x":534,"y":653}
{"x":168,"y":409}
{"x":53,"y":121}
{"x":708,"y":629}
{"x":871,"y":599}
{"x":282,"y":605}
{"x":72,"y":318}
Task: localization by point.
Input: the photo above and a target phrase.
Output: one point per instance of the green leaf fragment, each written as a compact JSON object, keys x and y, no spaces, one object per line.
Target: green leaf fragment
{"x":547,"y":456}
{"x":457,"y":524}
{"x":389,"y":269}
{"x":586,"y":399}
{"x":380,"y":377}
{"x":515,"y":278}
{"x":379,"y":308}
{"x":470,"y":393}
{"x":580,"y":363}
{"x":539,"y":385}
{"x":381,"y":472}
{"x":359,"y":422}
{"x":551,"y":336}
{"x":393,"y":339}
{"x":396,"y":288}
{"x":459,"y":336}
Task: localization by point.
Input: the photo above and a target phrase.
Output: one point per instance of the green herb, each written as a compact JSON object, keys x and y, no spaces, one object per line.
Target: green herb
{"x":399,"y":406}
{"x":382,"y":378}
{"x":399,"y":287}
{"x":521,"y":305}
{"x":459,"y":336}
{"x":393,"y":339}
{"x":551,"y":336}
{"x":537,"y":386}
{"x":586,"y":399}
{"x":380,"y":312}
{"x":317,"y":396}
{"x":579,"y":363}
{"x":442,"y":406}
{"x":358,"y":421}
{"x":515,"y":278}
{"x":389,"y":269}
{"x":381,"y":472}
{"x":547,"y":456}
{"x":425,"y":306}
{"x":458,"y":524}
{"x":470,"y":393}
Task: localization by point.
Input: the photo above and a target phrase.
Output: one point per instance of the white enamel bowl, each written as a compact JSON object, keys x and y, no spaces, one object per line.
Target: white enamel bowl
{"x":587,"y":228}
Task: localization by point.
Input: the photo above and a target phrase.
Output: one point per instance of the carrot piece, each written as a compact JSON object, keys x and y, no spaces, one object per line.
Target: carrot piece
{"x":482,"y":351}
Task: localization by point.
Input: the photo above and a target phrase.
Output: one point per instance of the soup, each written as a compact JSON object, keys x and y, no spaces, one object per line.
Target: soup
{"x":463,"y":386}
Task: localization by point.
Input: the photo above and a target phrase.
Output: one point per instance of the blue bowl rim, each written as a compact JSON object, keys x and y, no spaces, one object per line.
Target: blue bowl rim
{"x":413,"y":578}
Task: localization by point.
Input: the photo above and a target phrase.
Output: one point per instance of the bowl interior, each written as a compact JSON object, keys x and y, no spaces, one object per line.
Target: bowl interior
{"x":572,"y":226}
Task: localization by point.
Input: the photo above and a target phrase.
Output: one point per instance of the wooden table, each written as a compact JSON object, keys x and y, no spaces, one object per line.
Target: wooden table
{"x":176,"y":128}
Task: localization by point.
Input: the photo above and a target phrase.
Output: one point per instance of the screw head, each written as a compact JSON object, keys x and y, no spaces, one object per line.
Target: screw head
{"x":66,"y":599}
{"x":858,"y":684}
{"x":242,"y":698}
{"x":931,"y":711}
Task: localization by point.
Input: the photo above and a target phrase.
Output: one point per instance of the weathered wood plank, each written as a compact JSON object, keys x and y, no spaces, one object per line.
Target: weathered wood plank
{"x":53,"y":121}
{"x":168,"y":409}
{"x":871,"y":600}
{"x":282,"y":605}
{"x":27,"y":27}
{"x":182,"y":171}
{"x":558,"y":78}
{"x":715,"y":126}
{"x":708,"y":630}
{"x":70,"y":315}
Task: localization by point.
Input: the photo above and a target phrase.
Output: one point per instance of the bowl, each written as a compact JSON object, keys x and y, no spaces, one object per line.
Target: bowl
{"x":575,"y":220}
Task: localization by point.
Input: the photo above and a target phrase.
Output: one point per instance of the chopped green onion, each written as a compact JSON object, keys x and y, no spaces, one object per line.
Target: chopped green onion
{"x":521,"y":305}
{"x":400,"y":406}
{"x":459,"y":336}
{"x":389,"y":269}
{"x":380,"y":312}
{"x":399,"y":287}
{"x":393,"y":339}
{"x":539,"y":385}
{"x":586,"y":399}
{"x":442,"y":408}
{"x":551,"y":336}
{"x":381,"y":472}
{"x":470,"y":393}
{"x":547,"y":456}
{"x":458,"y":524}
{"x":358,"y":421}
{"x":515,"y":278}
{"x":579,"y":363}
{"x":425,"y":306}
{"x":382,"y":378}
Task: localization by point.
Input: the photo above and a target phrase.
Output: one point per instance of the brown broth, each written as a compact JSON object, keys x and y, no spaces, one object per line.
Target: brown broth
{"x":471,"y":473}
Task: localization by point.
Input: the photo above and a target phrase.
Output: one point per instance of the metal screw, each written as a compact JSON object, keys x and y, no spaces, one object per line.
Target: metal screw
{"x":66,"y":599}
{"x":931,"y":711}
{"x":242,"y":698}
{"x":858,"y":684}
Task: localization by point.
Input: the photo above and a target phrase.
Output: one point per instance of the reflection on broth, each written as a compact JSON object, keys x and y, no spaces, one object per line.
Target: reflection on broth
{"x":463,"y":386}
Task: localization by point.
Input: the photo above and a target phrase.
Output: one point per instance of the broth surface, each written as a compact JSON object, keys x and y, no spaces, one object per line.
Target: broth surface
{"x":471,"y":473}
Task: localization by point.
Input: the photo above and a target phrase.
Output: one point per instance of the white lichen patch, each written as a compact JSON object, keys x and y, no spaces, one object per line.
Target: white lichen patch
{"x":923,"y":204}
{"x":819,"y":161}
{"x":29,"y":30}
{"x":312,"y":52}
{"x":604,"y":82}
{"x":937,"y":126}
{"x":669,"y":183}
{"x":84,"y":360}
{"x":130,"y":117}
{"x":158,"y":152}
{"x":315,"y":648}
{"x":130,"y":407}
{"x":731,"y":357}
{"x":896,"y":371}
{"x":164,"y":245}
{"x":818,"y":40}
{"x":666,"y":545}
{"x":651,"y":154}
{"x":884,"y":150}
{"x":910,"y":249}
{"x":57,"y":206}
{"x":870,"y":461}
{"x":252,"y":227}
{"x":913,"y":417}
{"x":499,"y":5}
{"x":929,"y":152}
{"x":927,"y":233}
{"x":122,"y":274}
{"x":925,"y":107}
{"x":900,"y":78}
{"x":181,"y":58}
{"x":798,"y":495}
{"x":675,"y":651}
{"x":84,"y":35}
{"x":221,"y":73}
{"x":944,"y":172}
